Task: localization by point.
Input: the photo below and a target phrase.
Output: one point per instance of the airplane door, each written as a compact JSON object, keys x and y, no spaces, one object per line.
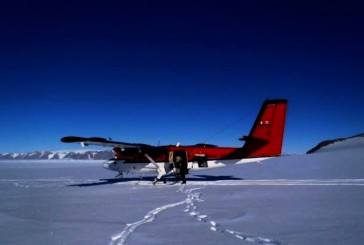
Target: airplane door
{"x":174,"y":154}
{"x":201,"y":160}
{"x":170,"y":158}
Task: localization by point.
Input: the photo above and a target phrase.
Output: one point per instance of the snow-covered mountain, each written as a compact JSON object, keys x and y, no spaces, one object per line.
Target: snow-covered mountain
{"x":59,"y":155}
{"x":332,"y":141}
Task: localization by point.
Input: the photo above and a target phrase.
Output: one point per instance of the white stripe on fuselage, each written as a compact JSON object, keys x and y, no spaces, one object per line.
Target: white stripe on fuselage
{"x":143,"y":168}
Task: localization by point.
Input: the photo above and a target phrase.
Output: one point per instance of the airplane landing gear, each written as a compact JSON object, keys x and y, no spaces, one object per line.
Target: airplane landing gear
{"x":120,"y":175}
{"x":156,"y":180}
{"x":160,"y":171}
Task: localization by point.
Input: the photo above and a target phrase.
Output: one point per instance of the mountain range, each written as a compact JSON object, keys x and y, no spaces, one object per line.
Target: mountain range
{"x":59,"y":155}
{"x":332,"y":141}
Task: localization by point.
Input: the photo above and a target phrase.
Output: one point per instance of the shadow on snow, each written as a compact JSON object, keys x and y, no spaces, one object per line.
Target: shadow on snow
{"x":194,"y":178}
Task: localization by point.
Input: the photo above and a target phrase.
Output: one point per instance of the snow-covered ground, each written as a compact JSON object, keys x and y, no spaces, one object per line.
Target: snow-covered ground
{"x":298,"y":199}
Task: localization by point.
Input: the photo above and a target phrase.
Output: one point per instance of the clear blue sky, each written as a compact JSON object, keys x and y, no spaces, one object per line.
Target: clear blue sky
{"x":177,"y":71}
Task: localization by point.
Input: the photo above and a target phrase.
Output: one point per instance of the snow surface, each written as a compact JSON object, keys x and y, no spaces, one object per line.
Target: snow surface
{"x":298,"y":199}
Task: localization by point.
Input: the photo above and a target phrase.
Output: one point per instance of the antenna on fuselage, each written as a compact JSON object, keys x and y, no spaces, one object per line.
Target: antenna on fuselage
{"x":229,"y":126}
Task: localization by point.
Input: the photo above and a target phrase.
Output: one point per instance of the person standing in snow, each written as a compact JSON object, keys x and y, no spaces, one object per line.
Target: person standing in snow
{"x":181,"y":167}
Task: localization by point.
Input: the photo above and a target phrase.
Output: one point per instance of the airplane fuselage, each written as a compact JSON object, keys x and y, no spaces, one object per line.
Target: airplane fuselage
{"x":198,"y":157}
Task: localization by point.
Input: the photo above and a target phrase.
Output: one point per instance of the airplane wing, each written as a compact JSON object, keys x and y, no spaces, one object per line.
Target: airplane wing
{"x":102,"y":142}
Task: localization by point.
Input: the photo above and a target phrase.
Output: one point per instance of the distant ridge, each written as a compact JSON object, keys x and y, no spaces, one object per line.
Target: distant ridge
{"x":328,"y":142}
{"x":59,"y":155}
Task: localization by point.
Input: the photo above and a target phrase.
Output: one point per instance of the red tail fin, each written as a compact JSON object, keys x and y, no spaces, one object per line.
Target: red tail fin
{"x":266,"y":136}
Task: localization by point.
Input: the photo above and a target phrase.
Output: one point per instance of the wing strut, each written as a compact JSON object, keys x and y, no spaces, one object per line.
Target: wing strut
{"x":161,"y":171}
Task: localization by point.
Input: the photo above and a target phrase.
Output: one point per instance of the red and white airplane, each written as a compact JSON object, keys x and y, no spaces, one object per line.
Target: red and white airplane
{"x":264,"y":141}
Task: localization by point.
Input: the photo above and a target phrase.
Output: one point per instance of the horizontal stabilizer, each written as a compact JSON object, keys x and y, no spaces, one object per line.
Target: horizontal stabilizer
{"x":248,"y":138}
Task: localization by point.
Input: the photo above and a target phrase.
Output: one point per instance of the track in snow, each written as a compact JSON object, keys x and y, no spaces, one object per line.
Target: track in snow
{"x":193,"y":197}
